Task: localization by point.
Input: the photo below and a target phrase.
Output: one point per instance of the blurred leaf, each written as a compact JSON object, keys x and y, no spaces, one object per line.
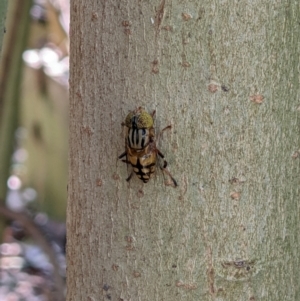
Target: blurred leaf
{"x":17,"y":25}
{"x":3,"y":9}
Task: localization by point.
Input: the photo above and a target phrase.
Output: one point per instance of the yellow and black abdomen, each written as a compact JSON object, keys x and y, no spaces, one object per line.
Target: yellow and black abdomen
{"x":143,"y":163}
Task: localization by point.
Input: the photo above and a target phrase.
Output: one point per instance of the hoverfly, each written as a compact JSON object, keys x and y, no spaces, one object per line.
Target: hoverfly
{"x":140,"y":145}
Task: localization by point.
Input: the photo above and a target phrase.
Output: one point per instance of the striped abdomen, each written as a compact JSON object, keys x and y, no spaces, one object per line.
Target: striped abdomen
{"x":143,"y":163}
{"x":143,"y":172}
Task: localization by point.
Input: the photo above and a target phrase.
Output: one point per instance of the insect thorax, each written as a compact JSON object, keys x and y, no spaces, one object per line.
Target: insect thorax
{"x":138,"y":138}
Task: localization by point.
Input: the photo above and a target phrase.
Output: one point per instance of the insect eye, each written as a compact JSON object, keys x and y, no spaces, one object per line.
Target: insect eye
{"x":139,"y":120}
{"x":145,"y":121}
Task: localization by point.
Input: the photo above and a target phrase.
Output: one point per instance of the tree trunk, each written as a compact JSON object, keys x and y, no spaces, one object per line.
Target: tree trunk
{"x":225,"y":74}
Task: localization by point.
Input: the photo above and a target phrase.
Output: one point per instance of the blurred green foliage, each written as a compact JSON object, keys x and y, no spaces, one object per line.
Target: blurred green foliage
{"x":17,"y":25}
{"x":36,"y":102}
{"x":3,"y":11}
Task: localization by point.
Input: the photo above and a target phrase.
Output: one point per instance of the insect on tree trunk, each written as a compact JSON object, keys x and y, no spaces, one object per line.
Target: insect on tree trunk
{"x":225,"y":75}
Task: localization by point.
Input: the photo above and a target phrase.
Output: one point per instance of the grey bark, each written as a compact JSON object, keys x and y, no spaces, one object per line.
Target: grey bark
{"x":225,"y":74}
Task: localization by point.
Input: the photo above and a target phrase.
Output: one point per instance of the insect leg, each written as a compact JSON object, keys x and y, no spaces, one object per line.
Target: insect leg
{"x":122,"y":155}
{"x":125,"y":161}
{"x":160,"y":153}
{"x":161,"y":132}
{"x":164,"y":169}
{"x":129,"y":177}
{"x":166,"y":128}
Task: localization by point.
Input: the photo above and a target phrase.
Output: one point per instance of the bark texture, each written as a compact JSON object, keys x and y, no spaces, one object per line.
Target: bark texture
{"x":225,"y":74}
